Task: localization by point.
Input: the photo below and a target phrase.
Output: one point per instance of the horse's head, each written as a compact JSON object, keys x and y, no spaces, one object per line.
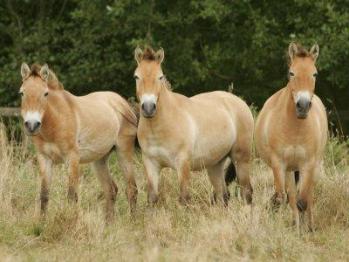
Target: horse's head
{"x":149,"y":79}
{"x":34,"y":92}
{"x":302,"y":77}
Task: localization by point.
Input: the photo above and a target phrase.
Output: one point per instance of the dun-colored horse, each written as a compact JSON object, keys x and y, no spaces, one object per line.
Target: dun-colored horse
{"x":291,"y":133}
{"x":190,"y":133}
{"x":67,"y":128}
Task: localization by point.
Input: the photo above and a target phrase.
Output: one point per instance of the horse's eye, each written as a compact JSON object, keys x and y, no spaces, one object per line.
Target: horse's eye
{"x":315,"y":75}
{"x":21,"y":93}
{"x":161,"y":77}
{"x":136,"y":77}
{"x":46,"y":94}
{"x":291,"y":73}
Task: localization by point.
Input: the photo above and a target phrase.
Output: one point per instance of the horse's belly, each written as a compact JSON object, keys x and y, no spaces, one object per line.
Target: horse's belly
{"x":210,"y":155}
{"x":95,"y":148}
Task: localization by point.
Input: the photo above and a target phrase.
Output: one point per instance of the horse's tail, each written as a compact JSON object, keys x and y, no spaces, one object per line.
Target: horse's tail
{"x":230,"y":174}
{"x":296,"y":176}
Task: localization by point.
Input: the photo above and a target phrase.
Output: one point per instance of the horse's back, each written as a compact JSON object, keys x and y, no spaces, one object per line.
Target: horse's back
{"x":101,"y":117}
{"x":235,"y":107}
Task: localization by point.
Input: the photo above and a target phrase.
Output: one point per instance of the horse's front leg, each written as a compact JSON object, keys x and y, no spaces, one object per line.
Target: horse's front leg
{"x":184,"y":179}
{"x":74,"y":176}
{"x":305,"y":199}
{"x":152,"y":169}
{"x":291,"y":190}
{"x":279,"y":184}
{"x":45,"y":166}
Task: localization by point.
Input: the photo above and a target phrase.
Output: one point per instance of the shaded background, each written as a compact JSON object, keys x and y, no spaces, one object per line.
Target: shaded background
{"x":208,"y":45}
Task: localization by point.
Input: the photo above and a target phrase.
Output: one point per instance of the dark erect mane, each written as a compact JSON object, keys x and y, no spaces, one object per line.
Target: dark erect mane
{"x":52,"y":82}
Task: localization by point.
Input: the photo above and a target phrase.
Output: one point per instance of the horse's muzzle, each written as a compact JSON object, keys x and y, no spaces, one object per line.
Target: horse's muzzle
{"x":303,"y":106}
{"x":32,"y":127}
{"x":148,"y":109}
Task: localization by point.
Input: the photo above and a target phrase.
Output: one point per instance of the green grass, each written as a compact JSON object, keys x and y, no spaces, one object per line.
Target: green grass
{"x":169,"y":231}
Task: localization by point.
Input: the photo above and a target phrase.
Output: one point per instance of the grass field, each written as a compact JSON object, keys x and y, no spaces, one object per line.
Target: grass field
{"x":168,"y":232}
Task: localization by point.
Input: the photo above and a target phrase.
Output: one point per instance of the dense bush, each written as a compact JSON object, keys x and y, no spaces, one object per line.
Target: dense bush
{"x":208,"y":44}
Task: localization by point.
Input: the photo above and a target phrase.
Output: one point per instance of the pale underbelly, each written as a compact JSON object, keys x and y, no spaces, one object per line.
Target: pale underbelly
{"x":87,"y":152}
{"x":173,"y":159}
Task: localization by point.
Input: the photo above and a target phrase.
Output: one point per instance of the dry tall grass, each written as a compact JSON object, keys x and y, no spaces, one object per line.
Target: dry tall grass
{"x":168,"y":232}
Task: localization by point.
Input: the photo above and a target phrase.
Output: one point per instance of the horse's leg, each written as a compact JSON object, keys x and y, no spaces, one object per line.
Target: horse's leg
{"x":109,"y":187}
{"x":216,"y":176}
{"x":279,"y":184}
{"x":292,"y":197}
{"x":305,"y":200}
{"x":74,"y":176}
{"x":183,"y":171}
{"x":242,"y":158}
{"x":45,"y":166}
{"x":125,"y":151}
{"x":151,"y":170}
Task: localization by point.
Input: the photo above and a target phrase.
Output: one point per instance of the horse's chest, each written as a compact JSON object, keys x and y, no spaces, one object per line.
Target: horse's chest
{"x":294,"y":155}
{"x":52,"y":151}
{"x":158,"y":150}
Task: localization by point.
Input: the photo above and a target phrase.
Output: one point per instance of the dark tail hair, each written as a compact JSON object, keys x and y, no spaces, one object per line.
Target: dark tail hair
{"x":230,"y":174}
{"x":296,"y":176}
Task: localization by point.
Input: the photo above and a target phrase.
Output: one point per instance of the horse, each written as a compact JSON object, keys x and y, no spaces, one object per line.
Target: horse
{"x":193,"y":133}
{"x":291,"y":134}
{"x":77,"y":129}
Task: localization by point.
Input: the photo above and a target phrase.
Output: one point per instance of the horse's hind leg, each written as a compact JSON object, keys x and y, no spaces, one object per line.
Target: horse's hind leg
{"x":216,"y":176}
{"x":45,"y":166}
{"x":242,"y":158}
{"x":109,"y":187}
{"x":125,"y":153}
{"x":292,"y":197}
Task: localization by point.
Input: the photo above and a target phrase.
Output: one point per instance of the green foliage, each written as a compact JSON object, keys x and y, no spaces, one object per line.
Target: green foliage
{"x":208,"y":44}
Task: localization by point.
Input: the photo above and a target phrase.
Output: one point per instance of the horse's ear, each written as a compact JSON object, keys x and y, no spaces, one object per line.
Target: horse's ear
{"x":292,"y":50}
{"x":44,"y":72}
{"x":25,"y":71}
{"x":160,"y":55}
{"x":138,"y":55}
{"x":314,"y":51}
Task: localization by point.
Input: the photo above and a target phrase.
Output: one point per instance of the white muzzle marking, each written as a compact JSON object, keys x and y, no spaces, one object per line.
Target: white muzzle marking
{"x":32,"y":116}
{"x":149,"y":98}
{"x":302,"y":95}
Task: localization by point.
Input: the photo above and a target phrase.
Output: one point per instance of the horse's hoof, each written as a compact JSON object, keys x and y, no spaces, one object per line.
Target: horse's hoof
{"x":276,"y":202}
{"x":153,"y":199}
{"x":72,"y":195}
{"x":248,"y":198}
{"x":184,"y":200}
{"x":301,"y":205}
{"x":226,"y":197}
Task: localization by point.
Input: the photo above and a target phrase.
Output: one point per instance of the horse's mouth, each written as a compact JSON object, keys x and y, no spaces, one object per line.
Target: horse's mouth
{"x":302,"y":115}
{"x":31,"y":133}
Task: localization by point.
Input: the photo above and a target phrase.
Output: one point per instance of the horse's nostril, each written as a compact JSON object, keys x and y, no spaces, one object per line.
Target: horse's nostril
{"x":154,"y":106}
{"x":298,"y":104}
{"x":36,"y":125}
{"x":26,"y":124}
{"x":143,"y":107}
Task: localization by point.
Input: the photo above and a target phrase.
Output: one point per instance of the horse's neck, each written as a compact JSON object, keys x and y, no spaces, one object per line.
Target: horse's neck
{"x":55,"y":112}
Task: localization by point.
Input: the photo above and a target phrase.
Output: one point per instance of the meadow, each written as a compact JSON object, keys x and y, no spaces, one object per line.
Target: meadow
{"x":168,"y":231}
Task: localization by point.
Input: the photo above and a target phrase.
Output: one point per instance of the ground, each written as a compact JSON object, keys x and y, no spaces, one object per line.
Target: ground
{"x":169,"y":231}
